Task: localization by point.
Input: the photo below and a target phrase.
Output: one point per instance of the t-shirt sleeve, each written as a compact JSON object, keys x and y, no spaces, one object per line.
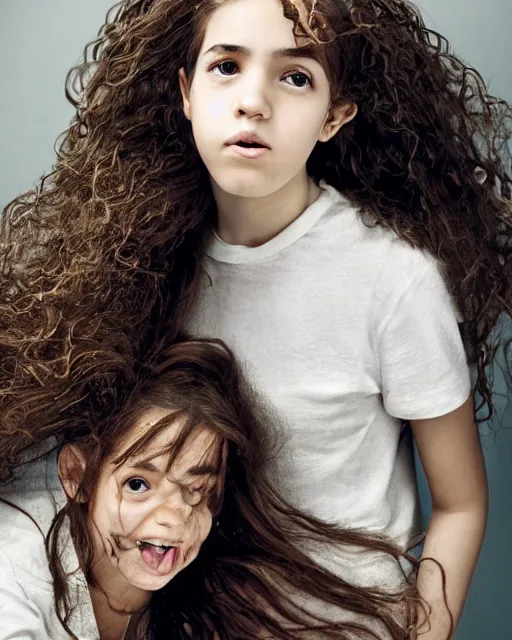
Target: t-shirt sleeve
{"x":423,"y":365}
{"x":19,"y":619}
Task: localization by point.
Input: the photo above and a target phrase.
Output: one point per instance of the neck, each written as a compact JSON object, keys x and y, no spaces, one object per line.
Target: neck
{"x":121,"y":595}
{"x":114,"y":599}
{"x":253,"y":221}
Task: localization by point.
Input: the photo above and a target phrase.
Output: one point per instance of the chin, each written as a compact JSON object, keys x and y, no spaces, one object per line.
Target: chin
{"x":248,"y":186}
{"x":147,"y":582}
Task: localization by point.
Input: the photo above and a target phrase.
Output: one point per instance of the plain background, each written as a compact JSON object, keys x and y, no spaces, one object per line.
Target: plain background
{"x":41,"y":39}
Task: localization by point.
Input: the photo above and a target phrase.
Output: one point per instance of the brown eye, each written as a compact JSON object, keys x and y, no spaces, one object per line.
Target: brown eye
{"x":226,"y":68}
{"x":136,"y":485}
{"x":298,"y":80}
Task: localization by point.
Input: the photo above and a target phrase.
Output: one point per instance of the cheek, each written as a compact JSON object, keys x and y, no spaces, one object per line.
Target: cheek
{"x":113,"y":515}
{"x":206,"y":114}
{"x":205,"y":103}
{"x":104,"y":512}
{"x":301,"y":144}
{"x":307,"y":121}
{"x":131,"y":515}
{"x":105,"y":524}
{"x":203,"y":526}
{"x":215,"y":108}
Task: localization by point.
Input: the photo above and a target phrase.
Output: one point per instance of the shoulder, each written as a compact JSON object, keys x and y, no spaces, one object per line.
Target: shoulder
{"x":374,"y":264}
{"x":26,"y":598}
{"x":373,"y":246}
{"x":28,"y":506}
{"x":26,"y":584}
{"x":405,"y":273}
{"x":22,"y":535}
{"x":408,"y":262}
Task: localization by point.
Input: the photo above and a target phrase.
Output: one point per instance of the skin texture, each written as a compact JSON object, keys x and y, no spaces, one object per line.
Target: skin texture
{"x":451,"y":455}
{"x":283,"y":99}
{"x":143,"y":500}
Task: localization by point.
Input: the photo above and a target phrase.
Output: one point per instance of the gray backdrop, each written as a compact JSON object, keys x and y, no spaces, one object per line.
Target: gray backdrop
{"x":41,"y":39}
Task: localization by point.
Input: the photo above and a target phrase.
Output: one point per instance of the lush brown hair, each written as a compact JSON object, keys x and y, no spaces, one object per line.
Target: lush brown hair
{"x":101,"y":260}
{"x":253,"y":577}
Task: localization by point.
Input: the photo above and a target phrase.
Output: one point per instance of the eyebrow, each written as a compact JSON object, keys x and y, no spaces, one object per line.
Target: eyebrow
{"x":203,"y":470}
{"x":306,"y":51}
{"x":146,"y":465}
{"x":197,"y":470}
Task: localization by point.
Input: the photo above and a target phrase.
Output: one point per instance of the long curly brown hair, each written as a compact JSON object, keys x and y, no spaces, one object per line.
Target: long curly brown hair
{"x":253,"y":577}
{"x":100,"y":262}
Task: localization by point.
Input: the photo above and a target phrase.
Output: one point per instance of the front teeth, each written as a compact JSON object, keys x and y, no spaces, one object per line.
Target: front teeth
{"x":162,"y":545}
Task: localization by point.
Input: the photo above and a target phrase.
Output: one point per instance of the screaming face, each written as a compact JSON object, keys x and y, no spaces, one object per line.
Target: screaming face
{"x":150,"y":515}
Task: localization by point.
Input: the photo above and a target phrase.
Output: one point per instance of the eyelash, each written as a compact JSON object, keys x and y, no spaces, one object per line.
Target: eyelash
{"x":192,"y":490}
{"x":217,"y":65}
{"x":126,"y":484}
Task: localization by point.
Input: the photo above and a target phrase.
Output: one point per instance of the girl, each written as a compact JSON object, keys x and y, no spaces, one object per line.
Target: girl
{"x":177,"y":532}
{"x":321,"y":184}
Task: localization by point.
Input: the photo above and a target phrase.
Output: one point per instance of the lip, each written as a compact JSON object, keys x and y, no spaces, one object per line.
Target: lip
{"x":164,"y":565}
{"x":248,"y":152}
{"x":246,"y":136}
{"x":159,"y":541}
{"x":249,"y":138}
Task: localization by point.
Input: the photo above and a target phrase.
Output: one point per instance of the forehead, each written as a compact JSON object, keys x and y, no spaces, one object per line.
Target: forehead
{"x":251,"y":23}
{"x":201,"y":444}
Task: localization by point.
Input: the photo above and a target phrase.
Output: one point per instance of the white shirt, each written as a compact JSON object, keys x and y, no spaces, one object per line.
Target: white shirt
{"x":27,"y":602}
{"x":347,"y":332}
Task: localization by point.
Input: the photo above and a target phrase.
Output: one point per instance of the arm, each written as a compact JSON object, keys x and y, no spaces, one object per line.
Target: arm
{"x":20,"y":620}
{"x":450,"y":452}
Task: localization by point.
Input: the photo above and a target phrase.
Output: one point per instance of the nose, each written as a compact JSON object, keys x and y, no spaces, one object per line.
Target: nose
{"x":252,"y":100}
{"x":172,"y":518}
{"x":172,"y":511}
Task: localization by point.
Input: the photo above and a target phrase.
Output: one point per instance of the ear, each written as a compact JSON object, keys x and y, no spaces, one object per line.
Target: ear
{"x":336,"y":118}
{"x":185,"y":93}
{"x":71,"y":470}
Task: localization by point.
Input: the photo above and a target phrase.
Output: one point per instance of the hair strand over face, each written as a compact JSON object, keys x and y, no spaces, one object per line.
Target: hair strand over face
{"x":253,"y":574}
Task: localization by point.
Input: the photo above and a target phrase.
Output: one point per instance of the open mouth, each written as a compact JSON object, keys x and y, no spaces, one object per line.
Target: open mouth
{"x":251,"y":149}
{"x":250,"y":145}
{"x":158,"y":555}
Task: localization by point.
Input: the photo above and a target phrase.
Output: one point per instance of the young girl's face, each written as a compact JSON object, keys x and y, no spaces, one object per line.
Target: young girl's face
{"x":151,"y":521}
{"x":252,"y":80}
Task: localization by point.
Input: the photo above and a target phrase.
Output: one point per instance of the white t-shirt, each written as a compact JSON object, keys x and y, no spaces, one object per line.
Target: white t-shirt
{"x":347,"y":332}
{"x":27,"y":602}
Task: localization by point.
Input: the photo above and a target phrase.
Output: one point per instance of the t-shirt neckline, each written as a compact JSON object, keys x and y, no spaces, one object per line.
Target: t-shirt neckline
{"x":240,"y":254}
